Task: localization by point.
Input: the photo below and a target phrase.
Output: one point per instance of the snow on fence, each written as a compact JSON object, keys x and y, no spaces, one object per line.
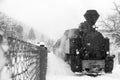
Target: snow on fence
{"x":26,"y":61}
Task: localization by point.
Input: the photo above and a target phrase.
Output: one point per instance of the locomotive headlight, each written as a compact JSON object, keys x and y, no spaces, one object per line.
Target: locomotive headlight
{"x":88,"y":44}
{"x":77,"y":52}
{"x":107,"y":52}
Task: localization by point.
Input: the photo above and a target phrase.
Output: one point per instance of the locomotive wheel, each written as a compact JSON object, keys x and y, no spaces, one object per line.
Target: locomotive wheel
{"x":73,"y":63}
{"x":79,"y":65}
{"x":108,"y":66}
{"x":76,"y":65}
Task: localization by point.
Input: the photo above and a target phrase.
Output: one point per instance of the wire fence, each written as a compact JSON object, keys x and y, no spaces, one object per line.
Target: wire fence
{"x":26,"y":61}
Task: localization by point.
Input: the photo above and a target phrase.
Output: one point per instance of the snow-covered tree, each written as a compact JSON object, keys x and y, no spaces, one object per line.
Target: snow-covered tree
{"x":11,"y":27}
{"x":31,"y":34}
{"x":112,"y":24}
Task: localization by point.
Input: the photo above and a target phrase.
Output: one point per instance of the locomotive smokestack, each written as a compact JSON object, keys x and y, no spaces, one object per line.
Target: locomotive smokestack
{"x":91,"y":16}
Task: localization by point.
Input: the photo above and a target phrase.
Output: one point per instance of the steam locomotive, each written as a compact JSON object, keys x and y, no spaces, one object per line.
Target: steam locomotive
{"x":89,"y":51}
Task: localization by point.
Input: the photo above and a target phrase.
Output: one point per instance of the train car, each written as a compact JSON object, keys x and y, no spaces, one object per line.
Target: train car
{"x":89,"y":51}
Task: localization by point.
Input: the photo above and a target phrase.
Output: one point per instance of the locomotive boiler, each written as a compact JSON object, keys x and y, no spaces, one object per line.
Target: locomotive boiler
{"x":89,"y":50}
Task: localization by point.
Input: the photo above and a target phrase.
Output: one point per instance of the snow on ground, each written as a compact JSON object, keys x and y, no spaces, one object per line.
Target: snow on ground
{"x":59,"y":70}
{"x":56,"y":66}
{"x":5,"y":74}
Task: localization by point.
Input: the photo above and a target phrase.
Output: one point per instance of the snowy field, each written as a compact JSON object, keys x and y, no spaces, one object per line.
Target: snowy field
{"x":59,"y":70}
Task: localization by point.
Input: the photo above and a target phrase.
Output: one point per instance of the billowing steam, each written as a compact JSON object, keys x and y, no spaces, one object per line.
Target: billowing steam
{"x":62,"y":45}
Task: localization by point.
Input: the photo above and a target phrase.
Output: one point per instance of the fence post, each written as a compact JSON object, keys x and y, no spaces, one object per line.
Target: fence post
{"x":43,"y":62}
{"x":118,"y":58}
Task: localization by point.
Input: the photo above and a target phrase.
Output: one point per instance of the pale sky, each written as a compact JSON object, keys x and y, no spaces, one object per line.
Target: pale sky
{"x":53,"y":17}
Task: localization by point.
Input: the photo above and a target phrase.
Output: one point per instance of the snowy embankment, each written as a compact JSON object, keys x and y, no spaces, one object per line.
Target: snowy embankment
{"x":59,"y":70}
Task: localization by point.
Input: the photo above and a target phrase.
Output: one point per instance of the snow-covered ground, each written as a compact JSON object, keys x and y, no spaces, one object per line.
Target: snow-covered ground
{"x":59,"y":70}
{"x":5,"y":74}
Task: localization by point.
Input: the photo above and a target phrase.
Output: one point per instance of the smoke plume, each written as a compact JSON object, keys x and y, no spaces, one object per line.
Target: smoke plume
{"x":62,"y":45}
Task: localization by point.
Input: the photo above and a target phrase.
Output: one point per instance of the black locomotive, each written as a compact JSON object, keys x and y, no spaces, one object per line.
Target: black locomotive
{"x":89,"y":50}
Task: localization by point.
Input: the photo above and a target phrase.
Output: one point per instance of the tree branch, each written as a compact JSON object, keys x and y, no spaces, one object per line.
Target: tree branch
{"x":116,"y":8}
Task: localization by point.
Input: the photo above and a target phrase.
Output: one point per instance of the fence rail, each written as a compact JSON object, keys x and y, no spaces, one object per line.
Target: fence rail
{"x":26,"y":61}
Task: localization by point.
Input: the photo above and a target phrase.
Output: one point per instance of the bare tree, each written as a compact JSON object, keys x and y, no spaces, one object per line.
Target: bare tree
{"x":112,"y":23}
